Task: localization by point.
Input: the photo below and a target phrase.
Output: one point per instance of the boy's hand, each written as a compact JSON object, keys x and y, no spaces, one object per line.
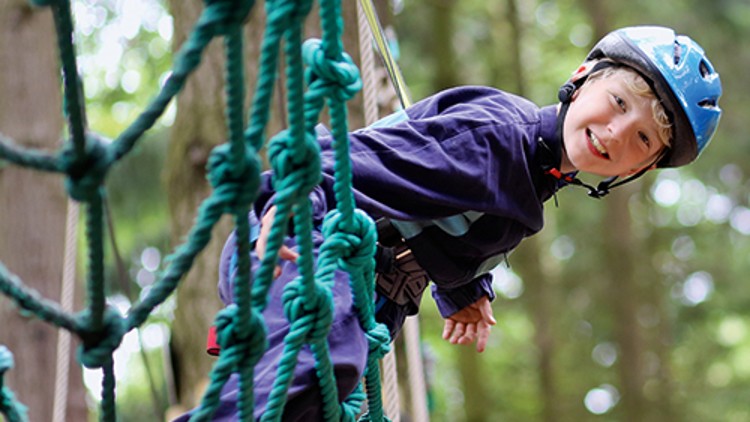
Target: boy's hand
{"x":285,"y":252}
{"x":470,"y":324}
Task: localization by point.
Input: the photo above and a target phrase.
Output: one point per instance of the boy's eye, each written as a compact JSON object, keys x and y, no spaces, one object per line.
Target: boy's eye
{"x":620,"y":102}
{"x":644,"y":139}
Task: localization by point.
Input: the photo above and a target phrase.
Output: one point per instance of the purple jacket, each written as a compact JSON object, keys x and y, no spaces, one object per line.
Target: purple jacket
{"x":461,"y":176}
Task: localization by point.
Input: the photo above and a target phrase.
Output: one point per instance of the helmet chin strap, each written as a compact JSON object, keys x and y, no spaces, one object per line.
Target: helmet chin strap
{"x":604,"y":187}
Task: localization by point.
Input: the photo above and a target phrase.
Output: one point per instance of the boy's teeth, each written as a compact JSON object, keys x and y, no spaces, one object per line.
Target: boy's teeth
{"x":595,"y":141}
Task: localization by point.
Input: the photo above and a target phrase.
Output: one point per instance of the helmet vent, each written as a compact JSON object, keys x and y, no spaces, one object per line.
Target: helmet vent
{"x":708,"y":103}
{"x":704,"y":69}
{"x":677,"y":53}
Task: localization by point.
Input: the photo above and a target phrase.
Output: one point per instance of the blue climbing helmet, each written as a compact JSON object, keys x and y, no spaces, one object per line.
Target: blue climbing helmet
{"x":680,"y":75}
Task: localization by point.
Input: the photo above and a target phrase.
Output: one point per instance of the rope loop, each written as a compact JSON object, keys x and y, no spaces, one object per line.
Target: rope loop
{"x":379,"y":341}
{"x":248,"y":347}
{"x":85,"y":172}
{"x":6,"y":361}
{"x":236,"y":182}
{"x":338,"y":77}
{"x":355,"y":236}
{"x":226,"y":14}
{"x":295,"y":165}
{"x":98,"y":346}
{"x":313,"y":309}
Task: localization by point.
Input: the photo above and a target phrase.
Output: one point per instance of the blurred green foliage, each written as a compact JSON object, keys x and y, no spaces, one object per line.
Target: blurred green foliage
{"x":692,"y":225}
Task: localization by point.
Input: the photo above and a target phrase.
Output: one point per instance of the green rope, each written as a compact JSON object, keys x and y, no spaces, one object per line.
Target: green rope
{"x":9,"y":406}
{"x":318,"y":73}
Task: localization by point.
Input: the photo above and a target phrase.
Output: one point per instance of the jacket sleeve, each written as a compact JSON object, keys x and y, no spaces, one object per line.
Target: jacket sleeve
{"x":442,"y":158}
{"x":450,"y":301}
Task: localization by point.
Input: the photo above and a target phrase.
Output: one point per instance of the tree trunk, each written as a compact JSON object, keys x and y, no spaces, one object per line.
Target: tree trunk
{"x":476,"y":397}
{"x":538,"y":278}
{"x":198,"y":127}
{"x":443,"y":55}
{"x":620,"y":258}
{"x":515,"y":47}
{"x":32,"y":215}
{"x":540,"y":302}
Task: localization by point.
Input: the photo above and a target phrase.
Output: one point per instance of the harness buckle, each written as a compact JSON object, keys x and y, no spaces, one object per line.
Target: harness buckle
{"x":399,"y":276}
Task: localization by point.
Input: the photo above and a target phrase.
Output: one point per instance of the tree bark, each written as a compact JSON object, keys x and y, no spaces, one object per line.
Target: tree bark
{"x":620,"y":253}
{"x":441,"y":47}
{"x":538,"y":279}
{"x":540,"y":302}
{"x":32,"y":215}
{"x":198,"y":127}
{"x":476,"y":396}
{"x":620,"y":258}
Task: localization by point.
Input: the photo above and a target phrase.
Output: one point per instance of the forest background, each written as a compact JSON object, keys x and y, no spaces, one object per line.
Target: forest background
{"x":631,"y":308}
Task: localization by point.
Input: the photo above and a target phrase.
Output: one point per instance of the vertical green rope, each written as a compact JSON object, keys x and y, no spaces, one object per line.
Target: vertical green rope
{"x":73,"y":88}
{"x":95,"y":279}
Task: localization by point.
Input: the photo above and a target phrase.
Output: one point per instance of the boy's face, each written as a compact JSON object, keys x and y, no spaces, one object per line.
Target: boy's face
{"x":609,"y":130}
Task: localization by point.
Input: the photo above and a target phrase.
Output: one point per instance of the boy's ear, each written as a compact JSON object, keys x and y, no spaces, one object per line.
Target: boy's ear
{"x":582,"y":70}
{"x":569,"y":91}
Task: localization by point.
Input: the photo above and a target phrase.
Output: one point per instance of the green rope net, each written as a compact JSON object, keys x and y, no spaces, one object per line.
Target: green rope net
{"x":318,"y":73}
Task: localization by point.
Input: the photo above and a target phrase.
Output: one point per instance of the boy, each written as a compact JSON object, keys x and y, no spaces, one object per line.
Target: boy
{"x":459,"y":179}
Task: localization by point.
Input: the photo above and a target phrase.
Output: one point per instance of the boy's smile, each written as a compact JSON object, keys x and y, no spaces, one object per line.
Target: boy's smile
{"x":596,"y":146}
{"x":609,"y":130}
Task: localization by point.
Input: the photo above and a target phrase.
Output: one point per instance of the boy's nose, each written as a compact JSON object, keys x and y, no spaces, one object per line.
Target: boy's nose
{"x":622,"y":128}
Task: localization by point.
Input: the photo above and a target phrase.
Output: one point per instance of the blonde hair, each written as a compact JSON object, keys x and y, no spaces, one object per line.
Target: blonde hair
{"x":638,"y":86}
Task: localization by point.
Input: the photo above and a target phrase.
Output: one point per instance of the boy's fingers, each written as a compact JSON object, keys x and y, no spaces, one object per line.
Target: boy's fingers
{"x":458,"y":332}
{"x":483,"y":336}
{"x":265,"y":229}
{"x":286,"y":253}
{"x":470,"y":336}
{"x":448,"y":328}
{"x":260,"y":243}
{"x":485,"y":308}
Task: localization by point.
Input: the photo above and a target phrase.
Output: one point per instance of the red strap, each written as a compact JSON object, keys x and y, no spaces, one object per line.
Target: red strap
{"x":212,"y":346}
{"x":555,"y":173}
{"x":558,"y":175}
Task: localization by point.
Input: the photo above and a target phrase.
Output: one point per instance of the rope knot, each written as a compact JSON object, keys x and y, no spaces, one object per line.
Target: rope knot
{"x":312,"y":308}
{"x":98,"y":346}
{"x":235,"y":179}
{"x":355,"y":237}
{"x":250,"y":345}
{"x":296,"y":164}
{"x":338,"y":77}
{"x":224,"y":14}
{"x":6,"y":360}
{"x":85,"y":172}
{"x":379,"y":341}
